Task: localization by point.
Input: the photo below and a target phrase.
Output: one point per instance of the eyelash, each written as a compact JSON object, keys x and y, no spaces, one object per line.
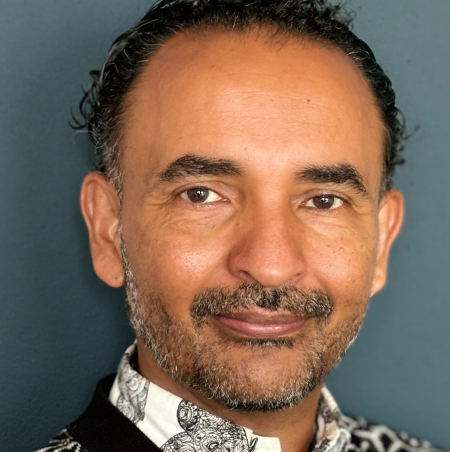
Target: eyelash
{"x":327,"y":195}
{"x":304,"y":204}
{"x":198,"y":187}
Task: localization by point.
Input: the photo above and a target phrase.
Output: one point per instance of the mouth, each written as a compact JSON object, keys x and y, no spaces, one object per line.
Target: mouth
{"x":261,"y":324}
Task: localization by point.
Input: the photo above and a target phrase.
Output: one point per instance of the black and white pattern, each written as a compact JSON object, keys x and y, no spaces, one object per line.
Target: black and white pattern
{"x":63,"y":443}
{"x":365,"y":437}
{"x":175,"y":425}
{"x":133,"y":392}
{"x":204,"y":432}
{"x":379,"y":438}
{"x":328,"y":436}
{"x":326,"y":413}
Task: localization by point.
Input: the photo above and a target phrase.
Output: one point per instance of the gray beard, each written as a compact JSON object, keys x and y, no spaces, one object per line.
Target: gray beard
{"x":179,"y":349}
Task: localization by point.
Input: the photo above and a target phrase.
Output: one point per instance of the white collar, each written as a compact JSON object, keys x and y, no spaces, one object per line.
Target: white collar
{"x":174,"y":424}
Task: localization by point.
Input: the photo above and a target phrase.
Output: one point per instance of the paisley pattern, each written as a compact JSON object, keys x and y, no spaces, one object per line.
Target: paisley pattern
{"x":204,"y":432}
{"x":196,"y":430}
{"x":133,"y":392}
{"x":326,"y":413}
{"x":365,"y":437}
{"x":329,"y":435}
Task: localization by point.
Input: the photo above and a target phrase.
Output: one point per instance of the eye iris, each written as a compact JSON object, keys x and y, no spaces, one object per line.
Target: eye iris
{"x":323,"y":202}
{"x":197,"y":194}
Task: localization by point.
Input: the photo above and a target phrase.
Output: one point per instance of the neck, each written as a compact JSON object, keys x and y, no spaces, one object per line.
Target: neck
{"x":294,"y":427}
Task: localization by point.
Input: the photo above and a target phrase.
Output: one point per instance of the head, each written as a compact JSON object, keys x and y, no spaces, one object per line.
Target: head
{"x":246,"y":153}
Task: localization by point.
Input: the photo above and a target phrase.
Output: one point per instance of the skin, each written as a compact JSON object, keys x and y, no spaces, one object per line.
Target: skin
{"x":275,"y":111}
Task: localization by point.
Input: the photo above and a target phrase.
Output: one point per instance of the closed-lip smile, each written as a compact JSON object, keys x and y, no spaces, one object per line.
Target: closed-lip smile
{"x":261,"y":323}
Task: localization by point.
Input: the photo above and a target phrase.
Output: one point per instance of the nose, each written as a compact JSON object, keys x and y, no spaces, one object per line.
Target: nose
{"x":268,"y":249}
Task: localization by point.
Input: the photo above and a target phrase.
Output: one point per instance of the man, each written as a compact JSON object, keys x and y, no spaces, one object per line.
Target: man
{"x":244,"y":197}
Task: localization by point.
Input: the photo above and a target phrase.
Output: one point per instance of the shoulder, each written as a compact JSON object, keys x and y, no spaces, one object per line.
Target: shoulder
{"x":369,"y":437}
{"x":63,"y":442}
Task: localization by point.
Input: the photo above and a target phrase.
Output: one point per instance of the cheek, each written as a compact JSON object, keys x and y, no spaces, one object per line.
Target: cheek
{"x":343,"y":263}
{"x":173,"y":261}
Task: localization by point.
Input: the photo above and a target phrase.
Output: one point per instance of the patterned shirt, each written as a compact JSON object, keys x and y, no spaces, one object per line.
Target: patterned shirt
{"x":175,"y":425}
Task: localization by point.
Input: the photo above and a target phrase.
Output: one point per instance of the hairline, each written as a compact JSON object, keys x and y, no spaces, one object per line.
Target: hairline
{"x":275,"y":35}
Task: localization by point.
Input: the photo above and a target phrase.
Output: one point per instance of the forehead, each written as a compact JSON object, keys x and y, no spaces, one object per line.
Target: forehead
{"x":239,"y":95}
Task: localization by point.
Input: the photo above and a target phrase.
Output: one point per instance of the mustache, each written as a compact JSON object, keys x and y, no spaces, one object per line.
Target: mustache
{"x":224,"y":301}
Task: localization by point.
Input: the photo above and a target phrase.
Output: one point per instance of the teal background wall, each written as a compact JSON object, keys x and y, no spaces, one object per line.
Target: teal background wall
{"x":61,"y":329}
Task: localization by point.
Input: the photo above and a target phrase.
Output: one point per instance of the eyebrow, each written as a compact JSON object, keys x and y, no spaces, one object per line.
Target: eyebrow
{"x":341,"y":174}
{"x":195,"y":165}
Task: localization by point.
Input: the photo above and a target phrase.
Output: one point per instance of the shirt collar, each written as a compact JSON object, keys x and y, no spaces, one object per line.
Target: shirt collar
{"x":174,"y":424}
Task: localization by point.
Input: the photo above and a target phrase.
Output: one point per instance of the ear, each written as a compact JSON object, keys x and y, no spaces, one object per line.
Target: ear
{"x":100,"y":208}
{"x":390,"y":219}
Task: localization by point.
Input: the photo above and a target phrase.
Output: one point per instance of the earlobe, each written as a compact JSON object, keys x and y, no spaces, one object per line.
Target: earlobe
{"x":390,"y":220}
{"x":100,"y":207}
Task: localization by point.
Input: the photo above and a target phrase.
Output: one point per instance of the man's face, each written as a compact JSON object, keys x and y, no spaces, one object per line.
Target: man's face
{"x":251,"y":176}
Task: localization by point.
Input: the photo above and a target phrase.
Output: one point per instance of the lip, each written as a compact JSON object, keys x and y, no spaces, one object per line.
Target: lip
{"x":261,"y":325}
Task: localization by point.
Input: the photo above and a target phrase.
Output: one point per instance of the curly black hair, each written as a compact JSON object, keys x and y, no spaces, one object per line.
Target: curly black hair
{"x":102,"y":105}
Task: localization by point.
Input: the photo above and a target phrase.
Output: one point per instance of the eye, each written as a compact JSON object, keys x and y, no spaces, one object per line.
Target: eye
{"x":325,"y":202}
{"x":200,"y":195}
